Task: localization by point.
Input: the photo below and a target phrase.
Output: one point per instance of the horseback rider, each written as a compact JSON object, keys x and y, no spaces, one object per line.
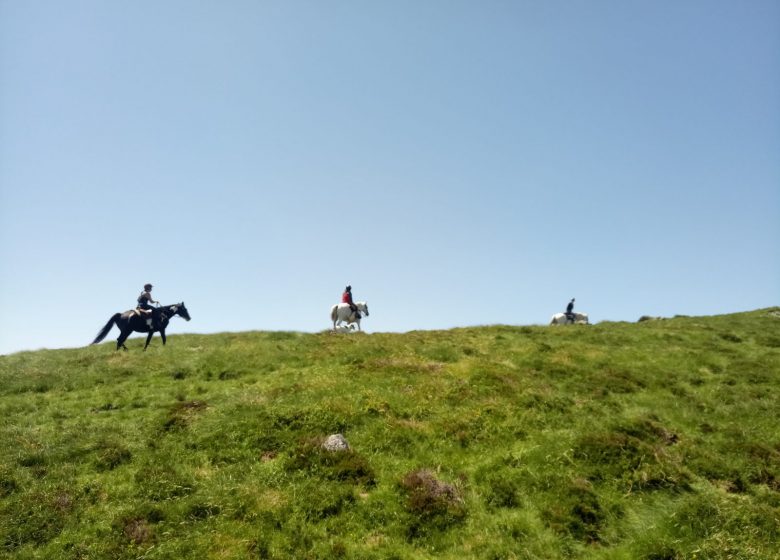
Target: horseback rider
{"x":145,"y":309}
{"x":570,"y":311}
{"x":346,"y":297}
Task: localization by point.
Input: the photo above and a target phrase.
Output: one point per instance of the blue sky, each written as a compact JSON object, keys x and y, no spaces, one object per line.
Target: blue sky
{"x":459,"y":163}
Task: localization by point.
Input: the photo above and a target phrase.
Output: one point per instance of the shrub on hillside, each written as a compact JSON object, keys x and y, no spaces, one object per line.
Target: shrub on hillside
{"x":429,"y":497}
{"x":137,"y":527}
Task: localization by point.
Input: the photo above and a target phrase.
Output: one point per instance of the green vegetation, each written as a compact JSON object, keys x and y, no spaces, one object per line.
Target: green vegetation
{"x":654,"y":440}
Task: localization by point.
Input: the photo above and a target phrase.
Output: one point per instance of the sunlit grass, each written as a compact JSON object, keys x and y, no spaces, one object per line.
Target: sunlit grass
{"x":653,"y":440}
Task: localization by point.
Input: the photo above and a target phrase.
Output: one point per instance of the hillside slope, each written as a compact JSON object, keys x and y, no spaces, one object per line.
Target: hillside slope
{"x":654,"y":440}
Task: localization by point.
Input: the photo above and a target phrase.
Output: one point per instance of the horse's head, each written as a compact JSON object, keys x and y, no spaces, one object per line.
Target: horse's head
{"x":181,"y":310}
{"x":363,"y":307}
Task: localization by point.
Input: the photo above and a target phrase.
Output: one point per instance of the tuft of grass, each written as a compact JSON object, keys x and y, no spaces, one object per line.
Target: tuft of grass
{"x":111,"y":454}
{"x":38,"y":517}
{"x":638,"y":454}
{"x":578,"y":513}
{"x":181,"y":414}
{"x":311,"y":460}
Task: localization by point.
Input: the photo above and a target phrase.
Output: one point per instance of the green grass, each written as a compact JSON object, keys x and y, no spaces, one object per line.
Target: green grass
{"x":654,"y":440}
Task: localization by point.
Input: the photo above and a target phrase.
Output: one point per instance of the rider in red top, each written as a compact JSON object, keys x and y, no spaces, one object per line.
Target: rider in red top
{"x":346,"y":297}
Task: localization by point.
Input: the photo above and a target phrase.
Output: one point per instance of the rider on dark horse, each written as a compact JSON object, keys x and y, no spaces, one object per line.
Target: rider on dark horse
{"x":346,"y":297}
{"x":570,"y":311}
{"x":128,"y":323}
{"x":146,"y":310}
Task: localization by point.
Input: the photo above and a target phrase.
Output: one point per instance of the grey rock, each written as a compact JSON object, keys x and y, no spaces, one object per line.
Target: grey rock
{"x":336,"y":442}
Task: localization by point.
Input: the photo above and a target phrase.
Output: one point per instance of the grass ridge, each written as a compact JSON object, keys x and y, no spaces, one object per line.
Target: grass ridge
{"x":651,"y":440}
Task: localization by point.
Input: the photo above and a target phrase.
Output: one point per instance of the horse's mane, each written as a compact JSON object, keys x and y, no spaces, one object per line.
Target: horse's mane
{"x":169,"y":308}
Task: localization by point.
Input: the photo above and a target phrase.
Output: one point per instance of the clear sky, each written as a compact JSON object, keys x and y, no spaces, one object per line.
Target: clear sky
{"x":459,"y":163}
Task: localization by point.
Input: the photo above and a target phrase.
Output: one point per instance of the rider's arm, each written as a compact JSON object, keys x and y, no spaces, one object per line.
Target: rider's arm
{"x":148,"y":297}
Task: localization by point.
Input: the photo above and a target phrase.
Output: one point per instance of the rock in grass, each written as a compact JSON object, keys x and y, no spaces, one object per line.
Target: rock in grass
{"x":335,"y":442}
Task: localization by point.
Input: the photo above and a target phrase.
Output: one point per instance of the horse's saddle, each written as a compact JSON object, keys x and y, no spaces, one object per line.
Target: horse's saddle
{"x":144,"y":315}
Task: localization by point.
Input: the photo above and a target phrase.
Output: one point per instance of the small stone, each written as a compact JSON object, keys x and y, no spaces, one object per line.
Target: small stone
{"x":336,"y":442}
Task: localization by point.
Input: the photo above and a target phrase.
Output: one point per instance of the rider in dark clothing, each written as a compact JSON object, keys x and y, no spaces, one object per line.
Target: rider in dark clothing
{"x":346,"y":297}
{"x":570,"y":311}
{"x":145,"y":309}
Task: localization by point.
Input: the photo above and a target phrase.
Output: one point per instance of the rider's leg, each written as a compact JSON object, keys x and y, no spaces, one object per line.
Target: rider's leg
{"x":149,"y":316}
{"x":156,"y":324}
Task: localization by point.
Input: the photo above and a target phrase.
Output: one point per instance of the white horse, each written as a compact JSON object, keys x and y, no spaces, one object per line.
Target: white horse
{"x":343,"y":313}
{"x":562,"y":319}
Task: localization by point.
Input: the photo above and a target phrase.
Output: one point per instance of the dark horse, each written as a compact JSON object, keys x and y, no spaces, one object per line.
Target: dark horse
{"x":130,"y":321}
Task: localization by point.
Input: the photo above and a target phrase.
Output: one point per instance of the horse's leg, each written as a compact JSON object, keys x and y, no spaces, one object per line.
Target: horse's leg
{"x":120,"y":342}
{"x":358,"y":323}
{"x":148,"y":339}
{"x":162,"y":335}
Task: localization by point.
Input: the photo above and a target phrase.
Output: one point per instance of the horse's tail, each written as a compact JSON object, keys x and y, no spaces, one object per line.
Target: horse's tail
{"x":104,"y":331}
{"x":334,"y":312}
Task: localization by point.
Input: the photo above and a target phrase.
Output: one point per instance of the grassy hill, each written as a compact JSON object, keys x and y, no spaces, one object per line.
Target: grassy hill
{"x":655,"y":440}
